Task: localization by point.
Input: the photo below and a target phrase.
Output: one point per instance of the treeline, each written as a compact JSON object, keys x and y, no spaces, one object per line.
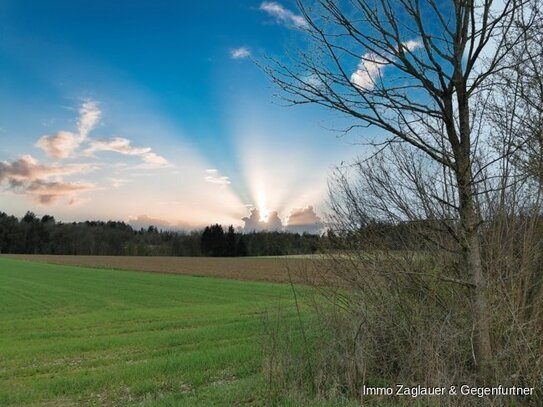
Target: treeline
{"x":34,"y":235}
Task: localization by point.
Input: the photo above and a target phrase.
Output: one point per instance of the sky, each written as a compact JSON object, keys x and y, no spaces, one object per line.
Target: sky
{"x":156,"y":113}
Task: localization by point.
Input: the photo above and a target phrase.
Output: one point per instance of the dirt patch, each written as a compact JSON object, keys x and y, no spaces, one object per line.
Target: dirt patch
{"x":257,"y":269}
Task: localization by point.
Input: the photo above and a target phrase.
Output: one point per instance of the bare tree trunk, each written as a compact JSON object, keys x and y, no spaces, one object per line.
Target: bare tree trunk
{"x":470,"y":225}
{"x":470,"y":222}
{"x":481,"y":314}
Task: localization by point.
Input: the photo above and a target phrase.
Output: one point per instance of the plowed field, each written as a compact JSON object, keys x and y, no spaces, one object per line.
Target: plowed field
{"x":271,"y":269}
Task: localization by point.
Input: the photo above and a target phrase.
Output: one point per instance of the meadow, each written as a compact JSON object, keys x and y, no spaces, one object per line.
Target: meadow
{"x":72,"y":335}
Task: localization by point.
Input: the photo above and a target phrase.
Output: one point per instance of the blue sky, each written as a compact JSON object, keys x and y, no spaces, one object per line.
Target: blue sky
{"x":154,"y":112}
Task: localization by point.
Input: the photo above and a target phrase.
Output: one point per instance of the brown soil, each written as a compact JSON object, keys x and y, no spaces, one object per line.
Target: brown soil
{"x":256,"y":269}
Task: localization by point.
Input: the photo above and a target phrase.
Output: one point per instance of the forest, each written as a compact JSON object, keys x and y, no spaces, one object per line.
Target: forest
{"x":34,"y":235}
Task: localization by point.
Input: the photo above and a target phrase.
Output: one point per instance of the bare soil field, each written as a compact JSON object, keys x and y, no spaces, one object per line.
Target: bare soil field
{"x":271,"y":269}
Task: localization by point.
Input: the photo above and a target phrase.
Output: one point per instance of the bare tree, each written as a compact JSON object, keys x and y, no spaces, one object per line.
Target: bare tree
{"x":517,"y":103}
{"x":421,"y":71}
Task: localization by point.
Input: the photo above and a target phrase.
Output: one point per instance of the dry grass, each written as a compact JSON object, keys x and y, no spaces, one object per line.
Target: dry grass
{"x":270,"y":269}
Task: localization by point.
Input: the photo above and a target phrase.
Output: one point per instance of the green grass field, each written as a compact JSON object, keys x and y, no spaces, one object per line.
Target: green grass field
{"x":79,"y":336}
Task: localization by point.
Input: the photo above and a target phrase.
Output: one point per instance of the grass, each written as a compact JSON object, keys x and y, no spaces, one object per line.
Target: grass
{"x":79,"y":336}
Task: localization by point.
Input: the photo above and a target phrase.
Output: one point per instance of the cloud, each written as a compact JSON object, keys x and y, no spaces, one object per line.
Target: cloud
{"x":412,"y":45}
{"x":89,"y":116}
{"x":144,"y":221}
{"x":28,"y":177}
{"x":212,"y":176}
{"x":300,"y":220}
{"x":273,"y":221}
{"x":60,"y":145}
{"x":63,"y":144}
{"x":118,"y":145}
{"x":370,"y":67}
{"x":368,"y":71}
{"x":240,"y":53}
{"x":123,"y":146}
{"x":153,"y":161}
{"x":117,"y":182}
{"x":313,"y":82}
{"x":282,"y":14}
{"x":255,"y":223}
{"x":45,"y":192}
{"x":303,"y":220}
{"x":28,"y":168}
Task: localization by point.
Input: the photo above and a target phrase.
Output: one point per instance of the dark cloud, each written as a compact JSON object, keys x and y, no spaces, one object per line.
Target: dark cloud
{"x":274,"y":222}
{"x":28,"y":177}
{"x":46,"y":192}
{"x":27,"y":168}
{"x":304,"y":220}
{"x":253,"y":223}
{"x":300,"y":220}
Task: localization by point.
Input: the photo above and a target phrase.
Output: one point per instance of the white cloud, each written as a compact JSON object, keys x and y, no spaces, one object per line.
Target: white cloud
{"x":370,"y":67}
{"x":282,"y":14}
{"x":368,"y":71}
{"x":240,"y":53}
{"x":412,"y":45}
{"x":213,"y":176}
{"x":117,"y":182}
{"x":123,"y":146}
{"x":152,"y":161}
{"x":60,"y":145}
{"x":313,"y":81}
{"x":63,"y":144}
{"x":144,"y":221}
{"x":118,"y":145}
{"x":89,"y":116}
